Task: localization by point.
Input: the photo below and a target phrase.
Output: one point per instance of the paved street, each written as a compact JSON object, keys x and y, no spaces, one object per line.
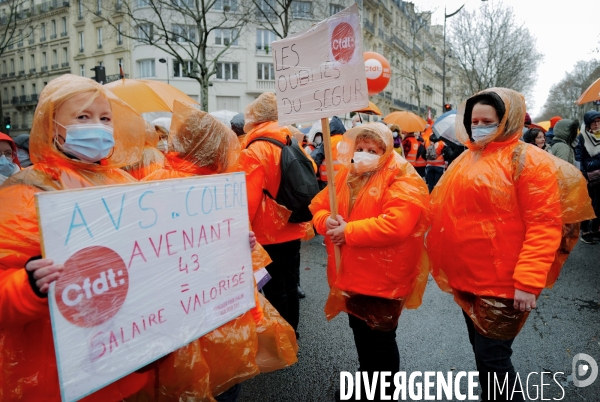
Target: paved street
{"x":434,"y":337}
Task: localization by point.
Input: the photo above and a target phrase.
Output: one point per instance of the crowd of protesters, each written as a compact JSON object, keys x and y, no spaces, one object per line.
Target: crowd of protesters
{"x":509,"y":199}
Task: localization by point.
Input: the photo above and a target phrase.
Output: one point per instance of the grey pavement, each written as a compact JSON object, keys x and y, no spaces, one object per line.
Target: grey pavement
{"x":434,"y":337}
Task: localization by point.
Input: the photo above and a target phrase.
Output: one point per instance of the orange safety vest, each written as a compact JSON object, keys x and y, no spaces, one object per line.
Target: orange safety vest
{"x":335,"y":140}
{"x":411,"y":156}
{"x":439,"y":160}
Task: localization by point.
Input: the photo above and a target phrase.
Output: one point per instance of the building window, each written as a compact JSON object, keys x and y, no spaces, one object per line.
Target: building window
{"x":265,"y":8}
{"x":12,"y":66}
{"x":65,"y":55}
{"x":143,"y":3}
{"x":120,"y":33}
{"x":33,"y":89}
{"x":22,"y":90}
{"x":53,"y":28}
{"x":264,"y":38}
{"x":301,"y":9}
{"x":13,"y":91}
{"x":147,"y":68}
{"x":265,"y":71}
{"x":43,"y":32}
{"x":44,"y":60}
{"x":99,"y":7}
{"x":81,"y":42}
{"x":183,"y":3}
{"x":54,"y":58}
{"x":21,"y":64}
{"x":99,"y":37}
{"x":80,"y":9}
{"x":32,"y":60}
{"x":144,"y":32}
{"x":227,"y":71}
{"x":226,"y":5}
{"x":335,"y":8}
{"x":226,"y":37}
{"x":4,"y":67}
{"x":184,"y":33}
{"x":82,"y":70}
{"x":182,"y":70}
{"x":5,"y":93}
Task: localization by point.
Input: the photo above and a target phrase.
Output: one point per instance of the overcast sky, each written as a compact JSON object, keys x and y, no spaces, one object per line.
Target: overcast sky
{"x":566,"y":32}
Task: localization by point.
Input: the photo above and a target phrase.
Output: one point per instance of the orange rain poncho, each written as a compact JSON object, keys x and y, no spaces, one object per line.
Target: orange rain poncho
{"x":152,"y":158}
{"x":257,"y":341}
{"x":497,"y":216}
{"x":269,"y":219}
{"x":384,"y":254}
{"x":28,"y":363}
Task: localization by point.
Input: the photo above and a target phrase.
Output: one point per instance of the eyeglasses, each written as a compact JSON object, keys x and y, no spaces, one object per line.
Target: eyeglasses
{"x":8,"y":154}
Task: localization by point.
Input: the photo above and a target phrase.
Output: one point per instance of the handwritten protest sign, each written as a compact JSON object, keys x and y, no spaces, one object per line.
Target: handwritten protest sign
{"x":320,"y":72}
{"x":149,"y":267}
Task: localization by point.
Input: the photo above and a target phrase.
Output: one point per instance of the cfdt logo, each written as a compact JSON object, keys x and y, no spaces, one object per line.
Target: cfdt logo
{"x":343,"y":42}
{"x":585,"y":370}
{"x":373,"y":69}
{"x":93,"y":286}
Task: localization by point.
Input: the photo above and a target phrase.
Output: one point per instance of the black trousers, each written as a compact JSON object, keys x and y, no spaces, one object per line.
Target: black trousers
{"x":282,"y":289}
{"x":377,"y":351}
{"x":493,"y":356}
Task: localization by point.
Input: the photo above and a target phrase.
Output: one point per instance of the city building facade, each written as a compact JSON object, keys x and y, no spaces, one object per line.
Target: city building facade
{"x":58,"y":37}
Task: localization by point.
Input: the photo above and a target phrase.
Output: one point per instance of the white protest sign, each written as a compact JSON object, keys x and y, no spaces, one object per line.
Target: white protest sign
{"x":320,"y":72}
{"x":149,"y":267}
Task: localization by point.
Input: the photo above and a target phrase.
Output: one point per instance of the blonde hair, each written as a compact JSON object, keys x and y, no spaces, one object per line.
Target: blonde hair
{"x":368,"y":135}
{"x":94,"y":93}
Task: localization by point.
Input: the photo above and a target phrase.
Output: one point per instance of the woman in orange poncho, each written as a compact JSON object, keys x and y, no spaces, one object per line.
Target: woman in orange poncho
{"x":152,"y":159}
{"x":502,"y":226}
{"x":259,"y":340}
{"x":380,"y":227}
{"x":81,"y":134}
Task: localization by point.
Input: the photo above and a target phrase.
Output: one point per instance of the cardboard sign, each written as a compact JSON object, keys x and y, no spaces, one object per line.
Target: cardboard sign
{"x":149,"y":267}
{"x":320,"y":72}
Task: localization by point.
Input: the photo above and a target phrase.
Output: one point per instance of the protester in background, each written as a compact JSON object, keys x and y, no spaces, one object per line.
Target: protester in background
{"x":22,"y":143}
{"x":565,"y":133}
{"x":415,"y":152}
{"x":152,"y":158}
{"x":202,"y":145}
{"x":356,"y":120}
{"x":336,"y":129}
{"x":550,"y":132}
{"x":589,"y":149}
{"x":81,"y":136}
{"x":435,"y":161}
{"x":527,"y":121}
{"x":261,"y":162}
{"x":497,"y":221}
{"x":9,"y":162}
{"x":237,"y":125}
{"x":535,"y":136}
{"x":382,"y":205}
{"x":397,"y":134}
{"x":162,"y":125}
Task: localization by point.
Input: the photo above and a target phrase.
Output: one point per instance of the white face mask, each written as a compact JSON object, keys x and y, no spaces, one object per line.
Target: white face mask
{"x":365,"y":162}
{"x":395,"y":134}
{"x":162,"y":146}
{"x":318,"y":140}
{"x":483,"y":132}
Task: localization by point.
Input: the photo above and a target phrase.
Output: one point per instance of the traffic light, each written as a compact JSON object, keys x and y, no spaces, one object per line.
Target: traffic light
{"x":447,"y":107}
{"x":7,"y":123}
{"x":100,"y":74}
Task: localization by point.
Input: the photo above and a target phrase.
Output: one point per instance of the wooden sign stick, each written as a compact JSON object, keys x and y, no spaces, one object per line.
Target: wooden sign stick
{"x":331,"y":183}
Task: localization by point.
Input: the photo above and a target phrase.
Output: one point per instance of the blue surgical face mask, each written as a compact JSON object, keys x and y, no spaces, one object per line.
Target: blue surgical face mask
{"x":88,"y":142}
{"x":483,"y":132}
{"x":7,"y":168}
{"x":23,"y":157}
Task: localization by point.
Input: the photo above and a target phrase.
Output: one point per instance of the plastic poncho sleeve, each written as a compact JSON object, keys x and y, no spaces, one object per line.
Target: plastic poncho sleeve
{"x":255,"y":181}
{"x":394,"y":225}
{"x":19,"y":241}
{"x":538,"y":196}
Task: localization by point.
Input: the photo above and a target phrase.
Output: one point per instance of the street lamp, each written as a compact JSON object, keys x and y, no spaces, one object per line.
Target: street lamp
{"x":164,"y":61}
{"x":446,"y":16}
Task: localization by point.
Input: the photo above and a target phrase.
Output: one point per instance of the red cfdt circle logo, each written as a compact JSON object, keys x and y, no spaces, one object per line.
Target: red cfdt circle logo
{"x":343,"y":42}
{"x":93,"y":286}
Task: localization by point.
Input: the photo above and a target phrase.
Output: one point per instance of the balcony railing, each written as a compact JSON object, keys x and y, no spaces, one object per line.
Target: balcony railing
{"x":63,"y":33}
{"x":53,"y":36}
{"x":381,"y":34}
{"x":54,"y":66}
{"x":20,"y":44}
{"x":24,"y":99}
{"x":11,"y":46}
{"x":31,"y":41}
{"x":11,"y":74}
{"x":4,"y":75}
{"x":119,"y":42}
{"x":81,"y":50}
{"x":6,"y":101}
{"x":43,"y":39}
{"x":31,"y":70}
{"x":99,"y":45}
{"x":44,"y":69}
{"x":265,"y":85}
{"x":114,"y":77}
{"x":21,"y":72}
{"x":369,"y":26}
{"x":65,"y":64}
